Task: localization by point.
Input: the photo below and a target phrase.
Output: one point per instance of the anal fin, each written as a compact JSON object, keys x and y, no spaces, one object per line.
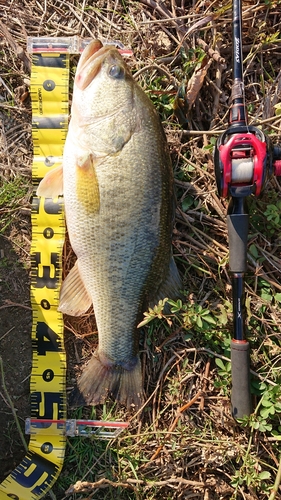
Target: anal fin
{"x":74,"y":298}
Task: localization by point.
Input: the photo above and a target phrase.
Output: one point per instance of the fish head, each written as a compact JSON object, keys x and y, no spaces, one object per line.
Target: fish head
{"x":103,"y":85}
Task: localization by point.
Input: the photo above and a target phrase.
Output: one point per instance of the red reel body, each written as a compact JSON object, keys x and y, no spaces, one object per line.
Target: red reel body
{"x":242,"y":159}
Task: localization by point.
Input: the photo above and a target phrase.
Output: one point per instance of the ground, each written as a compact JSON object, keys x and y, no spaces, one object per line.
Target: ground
{"x":15,"y":352}
{"x":185,"y":444}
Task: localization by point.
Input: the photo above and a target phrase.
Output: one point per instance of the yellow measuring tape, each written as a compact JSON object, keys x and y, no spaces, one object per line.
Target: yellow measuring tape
{"x":48,"y":425}
{"x":42,"y":464}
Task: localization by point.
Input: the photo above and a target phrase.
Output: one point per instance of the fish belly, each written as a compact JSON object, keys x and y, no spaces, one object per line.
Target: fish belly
{"x":116,"y":246}
{"x":122,"y":248}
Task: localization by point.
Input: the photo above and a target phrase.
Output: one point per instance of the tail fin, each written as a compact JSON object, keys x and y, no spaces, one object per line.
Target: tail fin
{"x":98,"y":381}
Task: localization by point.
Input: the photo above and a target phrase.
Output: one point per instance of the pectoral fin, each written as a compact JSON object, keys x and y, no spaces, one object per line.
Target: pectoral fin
{"x":74,"y":298}
{"x":87,"y":187}
{"x":52,"y":184}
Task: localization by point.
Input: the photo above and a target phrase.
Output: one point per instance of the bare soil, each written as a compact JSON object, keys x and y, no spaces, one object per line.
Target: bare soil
{"x":15,"y":348}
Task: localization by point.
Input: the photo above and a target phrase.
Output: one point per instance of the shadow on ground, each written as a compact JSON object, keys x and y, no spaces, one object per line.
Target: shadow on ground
{"x":15,"y":351}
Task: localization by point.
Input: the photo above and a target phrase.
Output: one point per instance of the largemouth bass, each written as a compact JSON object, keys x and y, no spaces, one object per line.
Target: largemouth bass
{"x":117,"y":184}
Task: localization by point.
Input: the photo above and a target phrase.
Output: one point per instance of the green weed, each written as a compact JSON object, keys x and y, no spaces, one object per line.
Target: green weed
{"x":13,"y":194}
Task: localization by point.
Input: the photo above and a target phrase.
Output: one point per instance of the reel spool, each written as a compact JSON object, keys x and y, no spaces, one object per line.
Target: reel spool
{"x":242,"y":161}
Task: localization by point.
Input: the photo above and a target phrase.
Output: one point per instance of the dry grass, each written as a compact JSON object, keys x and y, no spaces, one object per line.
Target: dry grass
{"x":185,"y":445}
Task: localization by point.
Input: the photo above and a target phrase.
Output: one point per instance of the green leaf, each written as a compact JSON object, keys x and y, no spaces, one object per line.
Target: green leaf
{"x":199,"y":322}
{"x":265,"y":295}
{"x":222,"y":316}
{"x":256,"y":425}
{"x":175,"y":306}
{"x":187,"y":203}
{"x":220,"y":363}
{"x":277,"y":407}
{"x":209,"y":319}
{"x":277,"y":435}
{"x":254,"y":251}
{"x":263,"y":427}
{"x":265,"y":402}
{"x":264,"y":475}
{"x":145,"y":321}
{"x":265,"y":412}
{"x":278,"y":109}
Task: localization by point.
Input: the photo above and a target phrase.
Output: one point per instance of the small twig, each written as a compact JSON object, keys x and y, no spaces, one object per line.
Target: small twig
{"x":174,"y":424}
{"x":7,"y":333}
{"x":84,"y":486}
{"x":18,"y":50}
{"x":6,"y":87}
{"x":224,"y":358}
{"x":201,"y":233}
{"x":205,"y":381}
{"x":173,"y":480}
{"x":151,"y":67}
{"x":11,"y":405}
{"x":161,"y":9}
{"x":138,"y":413}
{"x":9,"y":303}
{"x":276,"y":483}
{"x":168,"y":19}
{"x":262,"y":274}
{"x":213,"y":54}
{"x":52,"y":495}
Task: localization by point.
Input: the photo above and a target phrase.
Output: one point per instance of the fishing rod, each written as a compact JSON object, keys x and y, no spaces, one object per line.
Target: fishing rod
{"x":244,"y":159}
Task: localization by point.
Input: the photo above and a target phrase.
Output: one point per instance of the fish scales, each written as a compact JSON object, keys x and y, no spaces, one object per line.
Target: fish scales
{"x":119,"y":205}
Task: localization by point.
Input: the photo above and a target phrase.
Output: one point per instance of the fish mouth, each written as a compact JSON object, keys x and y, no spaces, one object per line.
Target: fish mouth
{"x":90,"y":63}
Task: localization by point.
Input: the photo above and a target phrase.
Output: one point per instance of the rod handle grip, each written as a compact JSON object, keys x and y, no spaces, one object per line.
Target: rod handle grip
{"x":240,"y":372}
{"x":238,"y":227}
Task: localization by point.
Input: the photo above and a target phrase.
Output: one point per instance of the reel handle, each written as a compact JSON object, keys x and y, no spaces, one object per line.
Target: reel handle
{"x":277,"y":161}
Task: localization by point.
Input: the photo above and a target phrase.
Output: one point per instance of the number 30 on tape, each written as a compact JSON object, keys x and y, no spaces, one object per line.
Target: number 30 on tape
{"x":41,"y":466}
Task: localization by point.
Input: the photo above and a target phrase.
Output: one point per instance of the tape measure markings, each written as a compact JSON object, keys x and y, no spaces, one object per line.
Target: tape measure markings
{"x":48,"y":426}
{"x":39,"y":469}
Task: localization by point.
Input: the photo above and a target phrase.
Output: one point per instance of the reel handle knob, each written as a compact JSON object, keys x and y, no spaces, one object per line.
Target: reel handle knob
{"x":277,"y":168}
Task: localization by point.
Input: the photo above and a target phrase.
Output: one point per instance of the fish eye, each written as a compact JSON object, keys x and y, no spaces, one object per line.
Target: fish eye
{"x":116,"y":71}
